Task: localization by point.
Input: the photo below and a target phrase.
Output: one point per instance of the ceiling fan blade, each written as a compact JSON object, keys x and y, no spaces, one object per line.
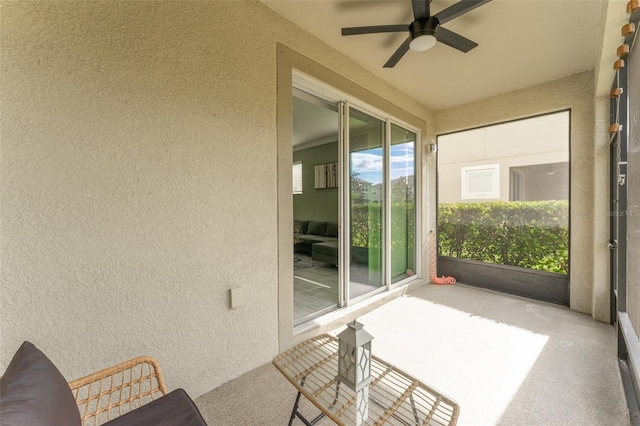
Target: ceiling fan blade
{"x":375,"y":29}
{"x":455,"y":40}
{"x":420,"y":9}
{"x":458,"y":9}
{"x":393,"y":60}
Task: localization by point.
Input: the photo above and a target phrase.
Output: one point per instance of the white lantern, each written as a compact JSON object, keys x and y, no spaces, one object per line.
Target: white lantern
{"x":354,"y":356}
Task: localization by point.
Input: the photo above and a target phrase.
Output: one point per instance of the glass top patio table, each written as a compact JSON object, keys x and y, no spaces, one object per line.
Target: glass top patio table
{"x":395,"y":398}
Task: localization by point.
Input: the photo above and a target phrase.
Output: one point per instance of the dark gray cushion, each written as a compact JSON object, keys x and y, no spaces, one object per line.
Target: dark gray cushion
{"x":317,"y":228}
{"x":332,"y":229}
{"x":329,"y":248}
{"x":173,"y":409}
{"x":311,"y":239}
{"x":33,"y":392}
{"x":303,"y":224}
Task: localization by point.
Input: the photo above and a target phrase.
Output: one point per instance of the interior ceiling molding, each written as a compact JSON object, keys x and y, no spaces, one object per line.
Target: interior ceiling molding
{"x":521,"y":43}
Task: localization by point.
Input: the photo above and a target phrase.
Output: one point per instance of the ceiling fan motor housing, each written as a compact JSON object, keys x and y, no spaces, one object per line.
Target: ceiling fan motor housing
{"x":424,"y":26}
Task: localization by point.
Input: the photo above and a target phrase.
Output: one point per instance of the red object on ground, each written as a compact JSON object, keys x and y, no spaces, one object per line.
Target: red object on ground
{"x":433,"y":259}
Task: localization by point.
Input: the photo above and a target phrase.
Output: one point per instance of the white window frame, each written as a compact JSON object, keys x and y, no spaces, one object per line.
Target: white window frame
{"x":297,"y":177}
{"x":464,"y":176}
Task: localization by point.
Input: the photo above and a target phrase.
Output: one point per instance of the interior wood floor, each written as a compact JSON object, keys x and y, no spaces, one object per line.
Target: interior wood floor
{"x":315,"y":287}
{"x":315,"y":291}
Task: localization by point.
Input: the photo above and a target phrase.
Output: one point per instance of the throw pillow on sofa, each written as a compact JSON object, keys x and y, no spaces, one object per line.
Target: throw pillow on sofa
{"x":33,"y":392}
{"x":317,"y":228}
{"x":302,"y":225}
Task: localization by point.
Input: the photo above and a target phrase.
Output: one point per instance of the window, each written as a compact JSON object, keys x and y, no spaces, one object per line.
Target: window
{"x":297,"y":177}
{"x":481,"y":182}
{"x":539,"y":182}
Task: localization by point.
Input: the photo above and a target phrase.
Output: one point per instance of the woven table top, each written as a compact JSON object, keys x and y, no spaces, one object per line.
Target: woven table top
{"x":395,"y":398}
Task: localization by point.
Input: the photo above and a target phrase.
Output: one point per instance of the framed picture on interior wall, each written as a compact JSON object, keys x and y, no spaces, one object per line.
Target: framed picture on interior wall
{"x":320,"y":180}
{"x":326,"y":176}
{"x":332,"y":175}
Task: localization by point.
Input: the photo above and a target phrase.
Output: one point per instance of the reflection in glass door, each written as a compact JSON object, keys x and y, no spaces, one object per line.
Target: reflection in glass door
{"x":366,"y":203}
{"x":403,"y":203}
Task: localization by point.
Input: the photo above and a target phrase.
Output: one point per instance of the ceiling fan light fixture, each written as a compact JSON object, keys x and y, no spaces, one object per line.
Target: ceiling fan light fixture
{"x":423,"y":34}
{"x":423,"y":42}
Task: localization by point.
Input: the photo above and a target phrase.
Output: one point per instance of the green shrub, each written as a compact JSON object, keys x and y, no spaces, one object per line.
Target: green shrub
{"x":402,"y":225}
{"x":363,"y":216}
{"x":529,"y":234}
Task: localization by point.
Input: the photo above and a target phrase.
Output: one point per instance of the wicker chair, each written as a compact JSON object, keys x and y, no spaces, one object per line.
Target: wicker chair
{"x":109,"y":393}
{"x":132,"y":393}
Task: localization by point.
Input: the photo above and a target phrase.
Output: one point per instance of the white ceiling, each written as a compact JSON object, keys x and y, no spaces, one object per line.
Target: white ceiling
{"x":521,"y":43}
{"x":313,"y":122}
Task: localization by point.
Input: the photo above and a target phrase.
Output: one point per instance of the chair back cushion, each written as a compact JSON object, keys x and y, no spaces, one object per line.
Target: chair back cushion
{"x":174,"y":409}
{"x":33,"y":392}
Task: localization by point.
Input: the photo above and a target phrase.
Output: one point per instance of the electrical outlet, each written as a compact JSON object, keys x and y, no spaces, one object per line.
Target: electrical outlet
{"x":235,"y":297}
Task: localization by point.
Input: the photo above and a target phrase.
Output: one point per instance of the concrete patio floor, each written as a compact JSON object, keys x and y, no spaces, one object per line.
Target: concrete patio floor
{"x":506,"y":360}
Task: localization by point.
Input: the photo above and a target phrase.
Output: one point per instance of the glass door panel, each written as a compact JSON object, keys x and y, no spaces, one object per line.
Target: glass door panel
{"x":366,"y":203}
{"x":403,"y":203}
{"x":316,"y":250}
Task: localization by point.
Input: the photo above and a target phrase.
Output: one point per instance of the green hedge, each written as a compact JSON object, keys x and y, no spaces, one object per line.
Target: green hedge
{"x":402,"y":225}
{"x":529,"y":234}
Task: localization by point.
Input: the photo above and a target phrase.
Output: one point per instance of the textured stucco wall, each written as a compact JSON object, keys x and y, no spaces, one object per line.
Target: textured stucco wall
{"x":574,"y":92}
{"x":601,"y":207}
{"x":139,"y":167}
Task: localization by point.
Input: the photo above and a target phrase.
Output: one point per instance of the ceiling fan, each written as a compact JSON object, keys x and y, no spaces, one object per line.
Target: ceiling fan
{"x":425,"y":30}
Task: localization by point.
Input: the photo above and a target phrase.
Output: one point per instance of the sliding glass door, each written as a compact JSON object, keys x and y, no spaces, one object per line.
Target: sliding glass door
{"x":354,"y":202}
{"x":366,"y":202}
{"x":403,"y":203}
{"x":382,"y":203}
